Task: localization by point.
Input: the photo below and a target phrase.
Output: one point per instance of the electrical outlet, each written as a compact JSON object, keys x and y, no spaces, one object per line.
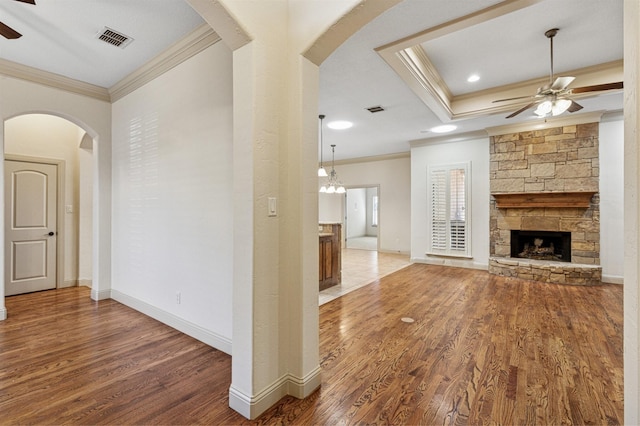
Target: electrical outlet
{"x":178,"y":297}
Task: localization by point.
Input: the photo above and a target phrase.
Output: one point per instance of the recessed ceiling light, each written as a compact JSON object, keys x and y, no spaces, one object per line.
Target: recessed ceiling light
{"x":473,"y":78}
{"x":444,"y":128}
{"x":339,"y":125}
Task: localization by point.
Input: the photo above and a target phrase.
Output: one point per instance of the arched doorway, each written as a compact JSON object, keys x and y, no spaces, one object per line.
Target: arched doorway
{"x":45,"y":140}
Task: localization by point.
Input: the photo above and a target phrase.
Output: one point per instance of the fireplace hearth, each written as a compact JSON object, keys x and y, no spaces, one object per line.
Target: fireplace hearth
{"x":541,"y":245}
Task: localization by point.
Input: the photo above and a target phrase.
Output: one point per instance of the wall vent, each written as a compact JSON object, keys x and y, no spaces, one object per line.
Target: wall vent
{"x":114,"y":38}
{"x":375,"y":109}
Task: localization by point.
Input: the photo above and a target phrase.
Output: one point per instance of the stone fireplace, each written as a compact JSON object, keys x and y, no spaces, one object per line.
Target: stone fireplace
{"x":544,"y":187}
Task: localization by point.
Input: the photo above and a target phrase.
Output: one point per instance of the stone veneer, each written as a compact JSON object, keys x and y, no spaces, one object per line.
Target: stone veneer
{"x":560,"y":159}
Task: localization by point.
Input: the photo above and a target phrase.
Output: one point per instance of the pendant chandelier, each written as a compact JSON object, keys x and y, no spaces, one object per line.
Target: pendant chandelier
{"x":321,"y":171}
{"x":333,"y":185}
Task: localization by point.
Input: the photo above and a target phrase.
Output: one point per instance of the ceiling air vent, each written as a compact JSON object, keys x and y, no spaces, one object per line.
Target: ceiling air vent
{"x":375,"y":109}
{"x":114,"y":38}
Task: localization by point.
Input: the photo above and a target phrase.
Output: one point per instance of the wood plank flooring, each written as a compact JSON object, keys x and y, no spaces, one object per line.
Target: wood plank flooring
{"x":482,"y":350}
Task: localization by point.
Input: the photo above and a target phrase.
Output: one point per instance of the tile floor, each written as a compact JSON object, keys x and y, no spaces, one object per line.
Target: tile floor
{"x":361,"y":267}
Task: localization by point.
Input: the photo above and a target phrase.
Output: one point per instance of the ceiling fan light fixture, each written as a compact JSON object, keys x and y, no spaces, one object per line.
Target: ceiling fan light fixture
{"x":560,"y":106}
{"x":543,"y":109}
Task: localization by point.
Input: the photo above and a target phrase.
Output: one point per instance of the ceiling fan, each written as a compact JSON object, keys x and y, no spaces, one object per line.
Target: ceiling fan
{"x":553,"y":98}
{"x":8,"y":32}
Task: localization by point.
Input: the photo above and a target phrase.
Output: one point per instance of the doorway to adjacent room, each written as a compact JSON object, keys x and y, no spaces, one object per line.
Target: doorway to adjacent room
{"x":361,"y":218}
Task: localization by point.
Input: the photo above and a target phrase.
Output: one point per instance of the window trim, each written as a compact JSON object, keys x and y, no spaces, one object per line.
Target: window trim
{"x":448,"y":251}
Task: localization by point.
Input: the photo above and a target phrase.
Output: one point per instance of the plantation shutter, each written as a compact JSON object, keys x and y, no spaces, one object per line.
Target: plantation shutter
{"x":448,"y":204}
{"x":438,"y":209}
{"x":457,"y":209}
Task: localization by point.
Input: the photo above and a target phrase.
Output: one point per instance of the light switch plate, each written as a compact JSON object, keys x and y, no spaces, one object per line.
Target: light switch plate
{"x":273,"y":211}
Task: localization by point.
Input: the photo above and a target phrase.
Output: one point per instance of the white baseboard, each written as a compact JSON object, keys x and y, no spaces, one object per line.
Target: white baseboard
{"x":3,"y":313}
{"x":252,"y":406}
{"x":302,"y":387}
{"x":85,"y":282}
{"x":406,"y":253}
{"x":612,"y":279}
{"x":206,"y":336}
{"x":455,"y":262}
{"x":69,"y":283}
{"x":100,"y":294}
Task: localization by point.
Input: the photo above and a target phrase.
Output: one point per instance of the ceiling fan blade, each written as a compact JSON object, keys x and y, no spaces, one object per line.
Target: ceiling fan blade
{"x":574,"y":107}
{"x":598,"y":87}
{"x":512,"y":99}
{"x":33,"y":2}
{"x":8,"y":32}
{"x":524,"y":108}
{"x":561,"y":83}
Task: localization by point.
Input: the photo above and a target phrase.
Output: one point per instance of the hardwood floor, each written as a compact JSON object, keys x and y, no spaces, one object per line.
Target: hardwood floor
{"x":482,"y":350}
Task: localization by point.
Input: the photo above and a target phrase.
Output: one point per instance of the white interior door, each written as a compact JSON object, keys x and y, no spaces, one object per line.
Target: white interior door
{"x":30,"y":226}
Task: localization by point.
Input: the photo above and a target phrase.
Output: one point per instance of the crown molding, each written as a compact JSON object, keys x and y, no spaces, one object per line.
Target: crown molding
{"x":484,"y":15}
{"x":468,"y":136}
{"x":195,"y":42}
{"x":548,"y":123}
{"x":217,"y":16}
{"x":49,"y":79}
{"x":372,"y":158}
{"x":192,"y":44}
{"x":412,"y":64}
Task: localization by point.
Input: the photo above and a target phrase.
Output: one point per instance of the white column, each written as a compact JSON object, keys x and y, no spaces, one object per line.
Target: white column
{"x":275,"y":297}
{"x":631,"y":212}
{"x":3,"y":309}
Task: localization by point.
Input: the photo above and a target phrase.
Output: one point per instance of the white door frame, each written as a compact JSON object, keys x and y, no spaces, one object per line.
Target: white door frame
{"x":60,"y":164}
{"x":344,"y":212}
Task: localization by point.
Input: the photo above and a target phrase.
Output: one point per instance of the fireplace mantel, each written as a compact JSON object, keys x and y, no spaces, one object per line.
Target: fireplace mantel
{"x":524,"y":200}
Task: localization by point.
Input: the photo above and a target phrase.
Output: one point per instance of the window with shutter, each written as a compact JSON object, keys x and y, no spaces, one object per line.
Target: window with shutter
{"x":449,"y":227}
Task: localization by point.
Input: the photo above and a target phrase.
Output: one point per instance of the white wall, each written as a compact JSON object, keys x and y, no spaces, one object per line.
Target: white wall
{"x":422,"y":155}
{"x":394,"y":179}
{"x":612,"y":200}
{"x":172,"y":197}
{"x":51,"y":137}
{"x":330,"y":208}
{"x":356,"y":212}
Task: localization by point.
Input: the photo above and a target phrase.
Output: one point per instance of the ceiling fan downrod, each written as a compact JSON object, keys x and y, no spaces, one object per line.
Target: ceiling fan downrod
{"x":550,"y":34}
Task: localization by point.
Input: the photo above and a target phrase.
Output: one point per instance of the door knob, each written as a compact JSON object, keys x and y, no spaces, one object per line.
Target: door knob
{"x":51,"y":234}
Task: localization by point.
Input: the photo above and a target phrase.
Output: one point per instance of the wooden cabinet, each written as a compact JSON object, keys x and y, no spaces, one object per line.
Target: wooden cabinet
{"x":330,"y":266}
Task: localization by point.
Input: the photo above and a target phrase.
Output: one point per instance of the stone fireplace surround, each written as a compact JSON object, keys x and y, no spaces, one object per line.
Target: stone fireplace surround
{"x":548,"y":181}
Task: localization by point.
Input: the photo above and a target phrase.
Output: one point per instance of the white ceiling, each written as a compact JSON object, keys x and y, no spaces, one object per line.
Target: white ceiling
{"x":507,"y":49}
{"x":59,"y":36}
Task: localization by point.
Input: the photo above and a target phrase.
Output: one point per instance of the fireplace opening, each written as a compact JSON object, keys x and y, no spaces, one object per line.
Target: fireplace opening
{"x":541,"y":245}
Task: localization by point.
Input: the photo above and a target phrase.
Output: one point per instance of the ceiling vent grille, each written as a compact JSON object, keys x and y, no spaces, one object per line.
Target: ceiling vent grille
{"x":114,"y":38}
{"x":375,"y":109}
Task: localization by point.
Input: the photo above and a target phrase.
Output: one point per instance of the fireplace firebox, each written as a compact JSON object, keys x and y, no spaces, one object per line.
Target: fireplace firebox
{"x":541,"y":245}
